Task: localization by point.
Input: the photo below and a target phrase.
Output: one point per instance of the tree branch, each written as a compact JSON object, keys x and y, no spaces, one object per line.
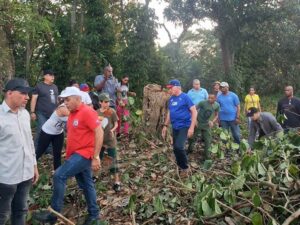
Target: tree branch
{"x":292,"y":217}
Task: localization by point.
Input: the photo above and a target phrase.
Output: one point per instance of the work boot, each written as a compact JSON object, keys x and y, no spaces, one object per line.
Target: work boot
{"x":44,"y":217}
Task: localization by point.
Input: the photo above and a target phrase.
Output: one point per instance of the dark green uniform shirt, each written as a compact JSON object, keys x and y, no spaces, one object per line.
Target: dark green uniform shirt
{"x":205,"y":112}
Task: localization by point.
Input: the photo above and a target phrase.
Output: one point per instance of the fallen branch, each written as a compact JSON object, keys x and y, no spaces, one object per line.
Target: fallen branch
{"x":292,"y":217}
{"x":233,"y":210}
{"x":60,"y":216}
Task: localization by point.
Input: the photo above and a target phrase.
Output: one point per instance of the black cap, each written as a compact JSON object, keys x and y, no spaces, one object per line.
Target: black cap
{"x":50,"y":72}
{"x":18,"y":84}
{"x":251,"y":111}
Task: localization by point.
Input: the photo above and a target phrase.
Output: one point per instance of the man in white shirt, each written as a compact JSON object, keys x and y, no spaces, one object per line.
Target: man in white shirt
{"x":18,"y":169}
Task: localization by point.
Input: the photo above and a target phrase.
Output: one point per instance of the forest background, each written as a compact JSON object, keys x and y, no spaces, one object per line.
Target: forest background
{"x":254,"y":43}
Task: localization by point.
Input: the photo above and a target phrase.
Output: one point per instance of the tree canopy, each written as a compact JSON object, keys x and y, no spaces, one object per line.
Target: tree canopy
{"x":253,"y":43}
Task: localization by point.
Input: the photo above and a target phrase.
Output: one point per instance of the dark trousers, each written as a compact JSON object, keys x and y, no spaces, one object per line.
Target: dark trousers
{"x":57,"y":144}
{"x":205,"y":133}
{"x":41,"y":119}
{"x":179,"y":139}
{"x":13,"y":200}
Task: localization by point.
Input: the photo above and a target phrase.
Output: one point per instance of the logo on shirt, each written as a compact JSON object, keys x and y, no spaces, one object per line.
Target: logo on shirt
{"x":174,"y":103}
{"x":75,"y":123}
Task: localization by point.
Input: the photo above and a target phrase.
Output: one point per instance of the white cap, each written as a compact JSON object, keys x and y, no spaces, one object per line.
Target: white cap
{"x":70,"y":91}
{"x":224,"y":84}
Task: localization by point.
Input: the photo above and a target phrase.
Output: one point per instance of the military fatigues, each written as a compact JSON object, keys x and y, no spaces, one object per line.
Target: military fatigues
{"x":205,"y":112}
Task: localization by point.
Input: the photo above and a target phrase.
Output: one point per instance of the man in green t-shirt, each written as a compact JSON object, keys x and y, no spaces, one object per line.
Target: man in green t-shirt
{"x":208,"y":112}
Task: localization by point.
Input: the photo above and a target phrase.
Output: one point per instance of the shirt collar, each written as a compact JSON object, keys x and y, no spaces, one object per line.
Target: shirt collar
{"x":5,"y":107}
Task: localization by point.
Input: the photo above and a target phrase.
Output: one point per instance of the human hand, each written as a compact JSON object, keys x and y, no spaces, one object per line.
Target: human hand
{"x":96,"y":164}
{"x":237,"y":121}
{"x":33,"y":116}
{"x":211,"y":124}
{"x":36,"y":175}
{"x":190,"y":132}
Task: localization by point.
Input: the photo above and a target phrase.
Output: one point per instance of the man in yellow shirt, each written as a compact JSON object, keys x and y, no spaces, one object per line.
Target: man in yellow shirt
{"x":251,"y":100}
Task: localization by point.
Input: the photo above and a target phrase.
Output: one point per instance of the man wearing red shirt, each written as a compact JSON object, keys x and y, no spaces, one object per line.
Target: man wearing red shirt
{"x":84,"y":142}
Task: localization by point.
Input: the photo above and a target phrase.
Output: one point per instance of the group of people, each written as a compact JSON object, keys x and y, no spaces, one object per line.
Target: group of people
{"x":195,"y":113}
{"x":92,"y":121}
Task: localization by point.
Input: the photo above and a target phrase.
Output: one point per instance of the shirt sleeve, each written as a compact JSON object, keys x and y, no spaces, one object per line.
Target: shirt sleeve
{"x":92,"y":120}
{"x":206,"y":95}
{"x":36,"y":90}
{"x":114,"y":117}
{"x":98,"y":80}
{"x":217,"y":107}
{"x":236,"y":100}
{"x":189,"y":102}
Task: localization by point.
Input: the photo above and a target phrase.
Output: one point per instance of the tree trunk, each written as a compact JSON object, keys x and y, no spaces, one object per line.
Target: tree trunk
{"x":154,"y":108}
{"x":7,"y":62}
{"x":227,"y":55}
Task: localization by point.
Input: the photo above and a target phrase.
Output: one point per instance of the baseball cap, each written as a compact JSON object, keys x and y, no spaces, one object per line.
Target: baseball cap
{"x":224,"y":84}
{"x":50,"y":72}
{"x":217,"y":82}
{"x":104,"y":97}
{"x":84,"y":87}
{"x":70,"y":91}
{"x":173,"y":83}
{"x":18,"y":84}
{"x":251,"y":111}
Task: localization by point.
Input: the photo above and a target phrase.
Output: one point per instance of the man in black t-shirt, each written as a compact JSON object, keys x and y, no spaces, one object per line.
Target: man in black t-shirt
{"x":289,"y":107}
{"x":43,"y":101}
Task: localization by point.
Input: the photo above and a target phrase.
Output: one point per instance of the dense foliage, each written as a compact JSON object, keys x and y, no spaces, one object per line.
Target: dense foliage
{"x":252,"y":43}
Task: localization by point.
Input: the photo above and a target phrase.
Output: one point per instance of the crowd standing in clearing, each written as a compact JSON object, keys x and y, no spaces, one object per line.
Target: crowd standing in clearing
{"x":92,"y":135}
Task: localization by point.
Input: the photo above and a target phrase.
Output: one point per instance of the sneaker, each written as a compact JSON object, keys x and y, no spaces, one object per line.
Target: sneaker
{"x":44,"y":217}
{"x":117,"y":187}
{"x":95,"y":179}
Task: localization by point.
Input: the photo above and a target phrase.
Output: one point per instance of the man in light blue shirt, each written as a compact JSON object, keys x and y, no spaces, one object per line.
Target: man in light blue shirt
{"x":229,"y":114}
{"x":197,"y":94}
{"x":107,"y":83}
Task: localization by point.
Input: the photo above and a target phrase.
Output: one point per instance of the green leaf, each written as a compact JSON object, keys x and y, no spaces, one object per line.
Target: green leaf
{"x":294,"y":170}
{"x":235,"y":146}
{"x":223,"y":136}
{"x":257,"y":219}
{"x":132,"y":203}
{"x":214,"y":149}
{"x":236,"y":168}
{"x":256,"y":200}
{"x":138,"y":112}
{"x":158,"y":205}
{"x":207,"y":164}
{"x":207,"y":211}
{"x":261,"y":169}
{"x":238,"y":183}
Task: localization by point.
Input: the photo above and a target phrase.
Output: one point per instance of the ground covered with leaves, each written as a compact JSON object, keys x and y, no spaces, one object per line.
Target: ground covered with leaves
{"x":235,"y":187}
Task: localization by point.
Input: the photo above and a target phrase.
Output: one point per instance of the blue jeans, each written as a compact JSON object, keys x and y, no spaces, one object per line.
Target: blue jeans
{"x":13,"y":199}
{"x":234,"y":128}
{"x":79,"y":167}
{"x":179,"y":139}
